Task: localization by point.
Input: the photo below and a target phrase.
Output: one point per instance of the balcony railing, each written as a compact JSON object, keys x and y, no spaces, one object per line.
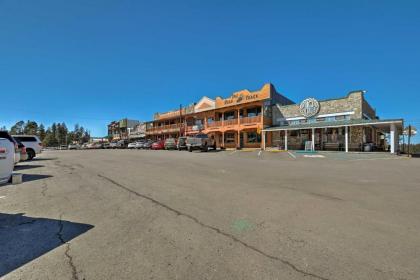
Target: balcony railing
{"x":251,"y":120}
{"x":169,"y":127}
{"x":214,"y":124}
{"x":230,"y":122}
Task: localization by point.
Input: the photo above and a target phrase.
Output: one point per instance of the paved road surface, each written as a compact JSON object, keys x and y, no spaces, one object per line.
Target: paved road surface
{"x":119,"y":214}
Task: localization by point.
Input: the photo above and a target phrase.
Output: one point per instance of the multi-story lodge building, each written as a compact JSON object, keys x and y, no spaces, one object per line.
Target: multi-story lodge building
{"x":234,"y":122}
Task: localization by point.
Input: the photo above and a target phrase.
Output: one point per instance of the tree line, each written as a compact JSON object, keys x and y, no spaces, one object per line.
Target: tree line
{"x":55,"y":135}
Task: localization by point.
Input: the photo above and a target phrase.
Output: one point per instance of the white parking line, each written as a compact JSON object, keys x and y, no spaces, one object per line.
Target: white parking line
{"x":259,"y":153}
{"x":3,"y":196}
{"x":233,"y":152}
{"x":291,"y":154}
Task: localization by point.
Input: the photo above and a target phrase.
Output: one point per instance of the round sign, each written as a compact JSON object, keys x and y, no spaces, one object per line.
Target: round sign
{"x":309,"y":107}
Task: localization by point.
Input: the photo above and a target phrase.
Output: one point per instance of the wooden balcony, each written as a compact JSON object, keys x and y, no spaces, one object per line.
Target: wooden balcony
{"x":230,"y":122}
{"x":214,"y":124}
{"x":164,"y":128}
{"x":251,"y":120}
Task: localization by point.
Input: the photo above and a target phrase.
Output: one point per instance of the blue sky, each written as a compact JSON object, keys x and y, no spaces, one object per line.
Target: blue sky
{"x":90,"y":62}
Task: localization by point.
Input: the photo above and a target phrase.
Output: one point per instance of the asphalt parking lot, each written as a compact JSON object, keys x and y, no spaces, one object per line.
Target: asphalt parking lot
{"x":120,"y":214}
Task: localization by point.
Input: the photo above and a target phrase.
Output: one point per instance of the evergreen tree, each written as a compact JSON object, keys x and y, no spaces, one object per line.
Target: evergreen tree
{"x":17,"y":128}
{"x":31,"y":128}
{"x":41,"y":132}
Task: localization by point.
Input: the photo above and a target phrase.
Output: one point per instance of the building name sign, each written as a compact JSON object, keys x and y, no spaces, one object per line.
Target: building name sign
{"x":309,"y":107}
{"x":240,"y":98}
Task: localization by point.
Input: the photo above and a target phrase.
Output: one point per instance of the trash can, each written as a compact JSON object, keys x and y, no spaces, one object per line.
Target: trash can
{"x":368,"y":147}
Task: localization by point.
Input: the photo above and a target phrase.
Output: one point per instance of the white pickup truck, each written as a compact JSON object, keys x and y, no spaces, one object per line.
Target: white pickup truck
{"x":200,"y":142}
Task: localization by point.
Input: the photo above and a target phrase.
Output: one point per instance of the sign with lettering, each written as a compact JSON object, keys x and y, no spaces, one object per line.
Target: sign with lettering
{"x":309,"y":107}
{"x":241,"y":97}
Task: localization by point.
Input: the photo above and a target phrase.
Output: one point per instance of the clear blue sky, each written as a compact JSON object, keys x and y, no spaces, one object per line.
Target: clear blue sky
{"x":91,"y":62}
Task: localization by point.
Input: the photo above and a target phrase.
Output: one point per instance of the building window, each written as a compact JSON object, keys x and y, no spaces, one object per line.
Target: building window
{"x":253,"y":112}
{"x":294,"y":122}
{"x":320,"y":119}
{"x":210,"y":120}
{"x":303,"y":121}
{"x":230,"y":115}
{"x":253,"y":137}
{"x":230,"y":138}
{"x":341,"y":118}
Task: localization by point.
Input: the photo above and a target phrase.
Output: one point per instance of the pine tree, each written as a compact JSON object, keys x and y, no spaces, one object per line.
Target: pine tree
{"x":41,"y":132}
{"x":17,"y":128}
{"x":31,"y":128}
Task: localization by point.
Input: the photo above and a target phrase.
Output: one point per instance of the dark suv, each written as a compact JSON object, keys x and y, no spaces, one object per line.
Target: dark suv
{"x":182,"y":143}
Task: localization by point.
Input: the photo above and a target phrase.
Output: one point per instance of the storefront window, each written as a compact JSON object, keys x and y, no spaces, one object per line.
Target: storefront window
{"x":253,"y":137}
{"x":230,"y":137}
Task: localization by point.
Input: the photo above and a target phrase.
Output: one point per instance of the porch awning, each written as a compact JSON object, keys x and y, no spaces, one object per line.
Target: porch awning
{"x":382,"y":124}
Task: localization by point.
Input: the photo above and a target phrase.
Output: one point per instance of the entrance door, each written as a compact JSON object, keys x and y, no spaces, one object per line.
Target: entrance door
{"x":241,"y":142}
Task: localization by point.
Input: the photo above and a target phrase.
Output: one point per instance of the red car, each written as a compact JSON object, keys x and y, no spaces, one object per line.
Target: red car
{"x":158,"y":145}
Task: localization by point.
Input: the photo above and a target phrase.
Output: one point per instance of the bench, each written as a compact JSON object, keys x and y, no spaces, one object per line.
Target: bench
{"x":332,"y":146}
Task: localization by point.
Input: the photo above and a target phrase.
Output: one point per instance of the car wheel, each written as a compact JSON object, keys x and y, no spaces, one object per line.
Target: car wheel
{"x":31,"y":154}
{"x":205,"y":149}
{"x":190,"y":149}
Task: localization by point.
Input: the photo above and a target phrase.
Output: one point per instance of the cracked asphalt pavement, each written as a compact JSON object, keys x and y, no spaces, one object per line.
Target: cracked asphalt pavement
{"x":120,"y":214}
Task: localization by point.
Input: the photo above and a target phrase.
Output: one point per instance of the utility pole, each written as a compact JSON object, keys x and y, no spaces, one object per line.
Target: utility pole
{"x":409,"y":138}
{"x":180,"y":121}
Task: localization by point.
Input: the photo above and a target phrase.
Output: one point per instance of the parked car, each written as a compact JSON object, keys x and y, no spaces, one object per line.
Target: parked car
{"x":170,"y":144}
{"x":98,"y":145}
{"x":113,"y":145}
{"x":6,"y":135}
{"x":200,"y":142}
{"x":158,"y":145}
{"x":32,"y":143}
{"x":23,"y":153}
{"x":106,"y":146}
{"x":91,"y":146}
{"x":73,"y":147}
{"x":122,"y":144}
{"x":182,"y":143}
{"x":7,"y":151}
{"x":139,"y":144}
{"x":131,"y":145}
{"x":147,"y":144}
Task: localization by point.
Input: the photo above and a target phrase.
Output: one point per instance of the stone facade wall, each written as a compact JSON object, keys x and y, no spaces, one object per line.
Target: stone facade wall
{"x":356,"y":135}
{"x":368,"y":110}
{"x":353,"y":102}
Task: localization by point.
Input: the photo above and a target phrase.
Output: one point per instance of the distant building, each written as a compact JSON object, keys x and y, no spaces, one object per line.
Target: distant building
{"x":120,"y":130}
{"x":138,"y":132}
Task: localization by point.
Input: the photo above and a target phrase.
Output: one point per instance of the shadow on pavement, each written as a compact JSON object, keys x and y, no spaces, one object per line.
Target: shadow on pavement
{"x":23,"y":239}
{"x":34,"y":177}
{"x":27,"y":166}
{"x":41,"y":159}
